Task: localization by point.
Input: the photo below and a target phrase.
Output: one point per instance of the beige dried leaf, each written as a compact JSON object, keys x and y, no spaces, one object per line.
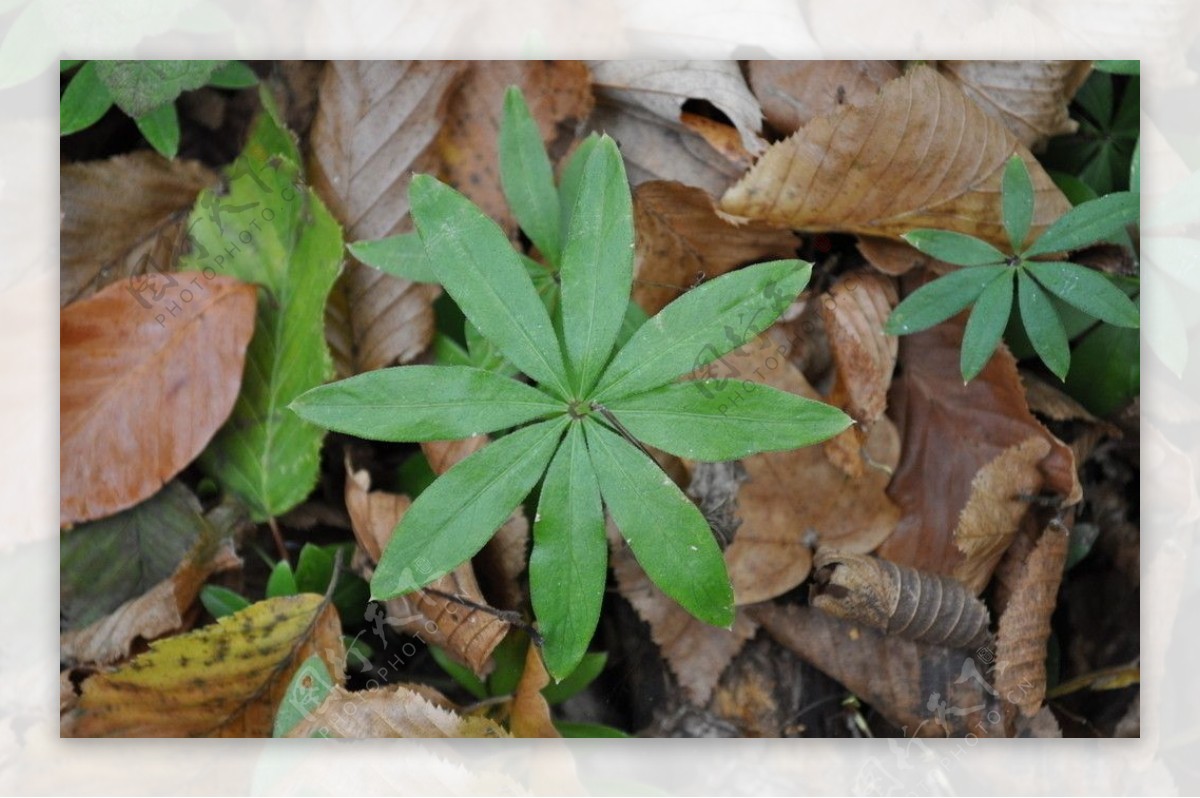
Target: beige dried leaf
{"x":921,"y":155}
{"x":855,"y":310}
{"x":529,"y":715}
{"x":793,"y":93}
{"x":396,"y":710}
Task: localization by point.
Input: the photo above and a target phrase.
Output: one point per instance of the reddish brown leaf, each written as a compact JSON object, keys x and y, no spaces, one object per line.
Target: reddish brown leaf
{"x":530,"y":714}
{"x":897,"y":257}
{"x":792,"y":93}
{"x":145,"y":388}
{"x":855,"y":310}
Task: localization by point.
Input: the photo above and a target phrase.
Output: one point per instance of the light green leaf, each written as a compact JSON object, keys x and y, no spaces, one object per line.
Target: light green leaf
{"x":1043,"y":326}
{"x":221,"y":601}
{"x":83,"y":103}
{"x":161,"y":129}
{"x":572,"y":177}
{"x":424,"y":403}
{"x":668,"y":535}
{"x":1088,"y":290}
{"x":1088,"y":223}
{"x":986,"y":325}
{"x":271,"y":231}
{"x":714,"y":419}
{"x":465,"y":677}
{"x":234,"y":75}
{"x":940,"y":299}
{"x":597,"y":265}
{"x":139,"y":87}
{"x":309,"y":687}
{"x":702,"y":325}
{"x":456,"y":515}
{"x":956,"y":248}
{"x":1017,"y":201}
{"x":584,"y":674}
{"x":282,"y":581}
{"x":568,"y":565}
{"x":477,"y":266}
{"x":401,"y":256}
{"x":527,"y":177}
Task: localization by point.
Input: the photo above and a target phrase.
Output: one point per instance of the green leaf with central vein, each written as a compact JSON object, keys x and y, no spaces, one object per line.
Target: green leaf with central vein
{"x":454,"y":517}
{"x":957,"y":248}
{"x":400,"y":255}
{"x":940,"y":299}
{"x":668,"y":535}
{"x":1088,"y":290}
{"x":567,"y":568}
{"x":527,"y":177}
{"x":986,"y":325}
{"x":1043,"y":325}
{"x":271,"y":231}
{"x":424,"y":403}
{"x":702,"y":325}
{"x":726,"y":419}
{"x":1016,"y":195}
{"x":477,"y":266}
{"x":1088,"y":223}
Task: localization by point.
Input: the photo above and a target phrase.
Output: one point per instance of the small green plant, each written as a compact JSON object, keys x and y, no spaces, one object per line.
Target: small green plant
{"x":579,"y":430}
{"x":988,"y":277}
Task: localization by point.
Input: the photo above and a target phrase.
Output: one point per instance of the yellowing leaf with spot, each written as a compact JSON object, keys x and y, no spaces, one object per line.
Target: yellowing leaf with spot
{"x":224,"y":680}
{"x":921,"y":155}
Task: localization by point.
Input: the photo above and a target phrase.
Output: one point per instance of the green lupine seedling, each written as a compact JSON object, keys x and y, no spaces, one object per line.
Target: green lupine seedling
{"x":563,"y":435}
{"x":988,"y":276}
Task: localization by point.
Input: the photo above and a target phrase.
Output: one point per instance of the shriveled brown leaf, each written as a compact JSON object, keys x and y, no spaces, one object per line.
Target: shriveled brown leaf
{"x":1024,"y":627}
{"x":144,"y":389}
{"x":999,"y":499}
{"x":1007,"y":576}
{"x":796,"y":499}
{"x":529,"y":715}
{"x":224,"y":680}
{"x":681,"y":237}
{"x":396,"y":710}
{"x":855,"y":310}
{"x":123,"y":217}
{"x":926,"y":690}
{"x":793,"y":93}
{"x":375,"y":121}
{"x":950,"y":431}
{"x":662,"y":88}
{"x":468,"y":634}
{"x":696,"y":652}
{"x":1029,"y":97}
{"x":921,"y":155}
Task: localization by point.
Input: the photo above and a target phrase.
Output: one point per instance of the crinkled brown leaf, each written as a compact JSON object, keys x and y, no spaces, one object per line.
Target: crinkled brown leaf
{"x":396,"y":710}
{"x":375,"y":121}
{"x":681,"y":237}
{"x":1029,"y":97}
{"x":1024,"y":627}
{"x":855,"y":310}
{"x":529,"y":715}
{"x":143,"y":389}
{"x":468,"y":634}
{"x":223,"y":680}
{"x":792,"y":93}
{"x":662,"y":88}
{"x":123,"y":217}
{"x":921,"y":155}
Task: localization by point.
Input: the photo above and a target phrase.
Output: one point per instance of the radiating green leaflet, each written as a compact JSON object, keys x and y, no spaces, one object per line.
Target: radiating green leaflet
{"x":527,"y":176}
{"x":1042,"y":324}
{"x":572,"y":176}
{"x":400,"y":255}
{"x":1016,"y":194}
{"x":986,"y":325}
{"x":455,"y":516}
{"x":940,"y":299}
{"x":1086,"y":289}
{"x":161,"y":129}
{"x":1087,"y":223}
{"x":84,"y":102}
{"x":956,"y":248}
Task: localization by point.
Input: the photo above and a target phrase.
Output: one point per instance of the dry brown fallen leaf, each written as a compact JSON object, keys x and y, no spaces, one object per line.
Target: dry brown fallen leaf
{"x":467,"y":634}
{"x":662,"y":88}
{"x":1024,"y":628}
{"x":795,"y":500}
{"x":223,"y":680}
{"x":793,"y":93}
{"x":896,"y":257}
{"x":124,"y":217}
{"x":951,"y":431}
{"x":681,"y":237}
{"x":921,"y":155}
{"x":855,"y":310}
{"x":375,"y":122}
{"x":146,"y":380}
{"x":529,"y":715}
{"x":396,"y":710}
{"x":1029,"y":97}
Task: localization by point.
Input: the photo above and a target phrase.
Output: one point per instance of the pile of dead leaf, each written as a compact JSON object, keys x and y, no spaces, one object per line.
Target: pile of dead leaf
{"x":904,"y":578}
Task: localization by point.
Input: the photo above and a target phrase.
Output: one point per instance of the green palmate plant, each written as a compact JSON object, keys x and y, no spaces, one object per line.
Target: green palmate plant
{"x":989,"y":278}
{"x":579,"y":428}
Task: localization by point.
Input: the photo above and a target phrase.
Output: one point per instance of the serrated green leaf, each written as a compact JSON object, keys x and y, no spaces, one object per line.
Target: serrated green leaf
{"x":161,"y":129}
{"x":401,"y":256}
{"x":597,"y":265}
{"x":459,"y":513}
{"x":85,"y":100}
{"x":424,"y":403}
{"x":590,"y":666}
{"x":221,"y":601}
{"x":666,"y":532}
{"x":272,"y":231}
{"x":309,"y":687}
{"x":477,"y":266}
{"x":1088,"y":223}
{"x":527,"y":176}
{"x":314,"y":570}
{"x":572,"y":176}
{"x":1043,"y":326}
{"x":1017,"y":201}
{"x":986,"y":325}
{"x":701,"y":326}
{"x":940,"y":299}
{"x":956,"y":248}
{"x":234,"y":75}
{"x":1086,"y":289}
{"x":465,"y":677}
{"x":282,"y":581}
{"x":1118,"y":67}
{"x":568,"y":565}
{"x":713,"y":420}
{"x":139,"y":87}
